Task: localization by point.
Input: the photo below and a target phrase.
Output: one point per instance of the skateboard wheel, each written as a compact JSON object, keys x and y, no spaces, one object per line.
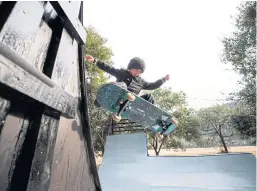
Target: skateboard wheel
{"x":116,"y":118}
{"x":174,"y":121}
{"x":131,"y":97}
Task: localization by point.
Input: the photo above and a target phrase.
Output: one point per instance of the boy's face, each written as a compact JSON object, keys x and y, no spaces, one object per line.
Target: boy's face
{"x":135,"y":72}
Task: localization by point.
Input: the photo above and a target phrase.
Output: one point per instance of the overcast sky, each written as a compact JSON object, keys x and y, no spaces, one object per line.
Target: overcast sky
{"x":180,"y":38}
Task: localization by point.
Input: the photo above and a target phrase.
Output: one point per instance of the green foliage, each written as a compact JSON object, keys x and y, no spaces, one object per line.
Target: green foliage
{"x":175,"y":144}
{"x":244,"y":121}
{"x":168,"y":100}
{"x":95,"y":46}
{"x":191,"y":127}
{"x":240,"y":48}
{"x":214,"y":116}
{"x":187,"y":129}
{"x":215,"y":122}
{"x":240,"y":52}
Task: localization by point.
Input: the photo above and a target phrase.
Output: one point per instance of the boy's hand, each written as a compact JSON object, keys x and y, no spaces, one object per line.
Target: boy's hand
{"x":89,"y":58}
{"x":167,"y":77}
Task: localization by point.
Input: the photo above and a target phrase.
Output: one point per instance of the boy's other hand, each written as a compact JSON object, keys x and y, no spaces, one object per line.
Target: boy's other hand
{"x":167,"y":77}
{"x":89,"y":58}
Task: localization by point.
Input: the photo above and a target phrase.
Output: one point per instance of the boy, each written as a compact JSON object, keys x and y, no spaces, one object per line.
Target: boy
{"x":130,"y":79}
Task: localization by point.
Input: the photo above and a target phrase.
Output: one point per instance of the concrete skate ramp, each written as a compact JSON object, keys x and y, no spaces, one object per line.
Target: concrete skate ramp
{"x":126,"y":167}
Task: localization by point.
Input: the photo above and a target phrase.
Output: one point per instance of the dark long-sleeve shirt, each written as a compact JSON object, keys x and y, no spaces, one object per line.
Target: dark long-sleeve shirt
{"x":134,"y":84}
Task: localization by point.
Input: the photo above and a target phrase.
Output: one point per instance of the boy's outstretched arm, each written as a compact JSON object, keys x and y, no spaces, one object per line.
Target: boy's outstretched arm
{"x":103,"y":66}
{"x":156,"y":84}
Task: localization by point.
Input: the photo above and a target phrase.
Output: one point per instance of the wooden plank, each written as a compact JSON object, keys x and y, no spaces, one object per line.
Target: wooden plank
{"x":71,"y":152}
{"x":72,"y":22}
{"x":128,"y":126}
{"x":65,"y":71}
{"x":5,"y":10}
{"x":84,"y":112}
{"x":26,"y":44}
{"x":4,"y":108}
{"x":6,"y":52}
{"x":128,"y":129}
{"x":40,"y":45}
{"x":22,"y":81}
{"x":19,"y":32}
{"x":11,"y":140}
{"x":43,"y":157}
{"x":54,"y":155}
{"x":125,"y":123}
{"x":30,"y":41}
{"x":71,"y":167}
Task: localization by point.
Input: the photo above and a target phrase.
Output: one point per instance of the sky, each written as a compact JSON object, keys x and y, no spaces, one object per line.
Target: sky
{"x":179,"y":38}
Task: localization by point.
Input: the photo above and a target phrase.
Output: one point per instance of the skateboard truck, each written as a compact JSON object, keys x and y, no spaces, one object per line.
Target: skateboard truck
{"x":165,"y":126}
{"x":123,"y":105}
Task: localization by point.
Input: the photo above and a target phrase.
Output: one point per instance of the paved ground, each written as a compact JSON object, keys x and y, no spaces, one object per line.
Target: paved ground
{"x":126,"y":166}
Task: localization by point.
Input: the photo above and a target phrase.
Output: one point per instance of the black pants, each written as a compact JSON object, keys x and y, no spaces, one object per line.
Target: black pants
{"x":147,"y":97}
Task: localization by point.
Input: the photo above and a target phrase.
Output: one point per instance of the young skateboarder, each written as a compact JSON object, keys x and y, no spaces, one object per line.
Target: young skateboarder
{"x":130,"y":79}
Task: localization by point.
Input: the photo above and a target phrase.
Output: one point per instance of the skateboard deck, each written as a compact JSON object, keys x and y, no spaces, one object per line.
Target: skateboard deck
{"x":115,"y":99}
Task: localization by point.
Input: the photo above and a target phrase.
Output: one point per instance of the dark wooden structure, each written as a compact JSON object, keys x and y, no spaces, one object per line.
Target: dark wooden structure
{"x":124,"y":126}
{"x":45,"y":137}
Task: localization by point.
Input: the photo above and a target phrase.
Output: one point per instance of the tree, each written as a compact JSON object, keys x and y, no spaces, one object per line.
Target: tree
{"x":216,"y":121}
{"x":169,"y":101}
{"x":240,"y":52}
{"x":191,"y":127}
{"x":244,"y":121}
{"x":95,"y":46}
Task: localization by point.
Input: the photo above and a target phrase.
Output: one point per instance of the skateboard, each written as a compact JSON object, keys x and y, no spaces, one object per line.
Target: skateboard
{"x":124,"y":104}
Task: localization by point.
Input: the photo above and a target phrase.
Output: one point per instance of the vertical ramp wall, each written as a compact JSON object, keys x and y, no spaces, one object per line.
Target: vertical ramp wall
{"x":123,"y":158}
{"x":45,"y":140}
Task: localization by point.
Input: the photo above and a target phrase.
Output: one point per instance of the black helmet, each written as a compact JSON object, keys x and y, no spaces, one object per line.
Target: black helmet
{"x":136,"y":63}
